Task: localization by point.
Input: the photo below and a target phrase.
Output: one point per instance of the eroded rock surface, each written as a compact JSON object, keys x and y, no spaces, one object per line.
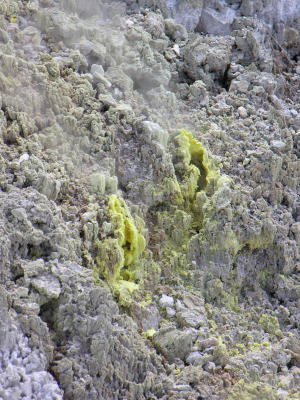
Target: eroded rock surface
{"x":149,"y":199}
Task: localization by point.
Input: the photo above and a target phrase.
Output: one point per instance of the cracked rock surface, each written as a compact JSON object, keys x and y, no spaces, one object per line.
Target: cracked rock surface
{"x":149,"y":199}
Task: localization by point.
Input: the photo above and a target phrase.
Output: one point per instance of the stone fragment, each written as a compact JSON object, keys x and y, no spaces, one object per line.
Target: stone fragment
{"x":216,"y":21}
{"x":282,"y":394}
{"x":4,"y":38}
{"x":48,"y":186}
{"x":47,"y":285}
{"x":98,"y":75}
{"x":187,"y":13}
{"x":195,"y":358}
{"x":166,"y":301}
{"x":198,"y":93}
{"x":176,"y":49}
{"x":111,"y":184}
{"x":191,"y":318}
{"x":154,"y":132}
{"x":33,"y":268}
{"x":175,"y":31}
{"x":239,"y":85}
{"x":192,"y":301}
{"x":242,"y":112}
{"x":220,"y":353}
{"x":206,"y":55}
{"x":170,"y":312}
{"x":147,"y":316}
{"x":209,"y":342}
{"x":24,"y":157}
{"x":107,"y":99}
{"x":173,"y":343}
{"x":296,"y":230}
{"x":278,"y":144}
{"x":154,"y":25}
{"x":210,"y":367}
{"x":97,"y":182}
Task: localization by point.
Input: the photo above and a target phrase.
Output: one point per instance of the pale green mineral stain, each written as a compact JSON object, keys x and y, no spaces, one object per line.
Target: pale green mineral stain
{"x":270,"y":324}
{"x":253,"y":390}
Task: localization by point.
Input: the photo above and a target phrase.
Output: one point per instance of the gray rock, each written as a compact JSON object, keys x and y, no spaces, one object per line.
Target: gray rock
{"x":47,"y":285}
{"x":191,"y":318}
{"x":98,"y":75}
{"x":154,"y":25}
{"x":278,"y":144}
{"x":239,"y":85}
{"x":187,"y":13}
{"x":198,"y":93}
{"x":272,"y":11}
{"x":97,"y":182}
{"x":166,"y":301}
{"x":170,"y":312}
{"x":217,"y":19}
{"x":209,"y":342}
{"x":107,"y":100}
{"x":210,"y":367}
{"x":282,"y":394}
{"x":33,"y":268}
{"x":242,"y":112}
{"x":23,"y":366}
{"x":195,"y":358}
{"x":154,"y":132}
{"x":147,"y":317}
{"x":173,"y":343}
{"x":4,"y":38}
{"x":198,"y":56}
{"x":48,"y":186}
{"x":175,"y":31}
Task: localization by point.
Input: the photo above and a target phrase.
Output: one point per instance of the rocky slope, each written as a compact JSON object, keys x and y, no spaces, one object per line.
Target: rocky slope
{"x":149,"y":212}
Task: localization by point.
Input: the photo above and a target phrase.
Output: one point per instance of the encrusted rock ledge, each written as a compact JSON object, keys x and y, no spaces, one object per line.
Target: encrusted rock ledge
{"x":149,"y":199}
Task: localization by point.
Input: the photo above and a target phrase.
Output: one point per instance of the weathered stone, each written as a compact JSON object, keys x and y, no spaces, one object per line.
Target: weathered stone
{"x":209,"y":342}
{"x":99,"y":91}
{"x":278,"y":144}
{"x":195,"y":358}
{"x":216,"y":21}
{"x":166,"y":301}
{"x":47,"y":285}
{"x":170,"y":312}
{"x":191,"y":318}
{"x":175,"y":31}
{"x":48,"y":186}
{"x":242,"y":112}
{"x":173,"y":343}
{"x":148,"y":317}
{"x":97,"y":181}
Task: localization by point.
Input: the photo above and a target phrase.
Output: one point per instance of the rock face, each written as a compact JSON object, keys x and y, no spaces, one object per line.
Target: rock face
{"x":149,"y":199}
{"x":216,"y":16}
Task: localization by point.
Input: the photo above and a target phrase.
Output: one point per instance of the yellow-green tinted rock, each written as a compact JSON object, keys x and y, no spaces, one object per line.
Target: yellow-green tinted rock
{"x":253,"y":391}
{"x":110,"y":259}
{"x":129,"y":238}
{"x":270,"y":324}
{"x":117,"y":258}
{"x":149,"y":334}
{"x":202,"y":171}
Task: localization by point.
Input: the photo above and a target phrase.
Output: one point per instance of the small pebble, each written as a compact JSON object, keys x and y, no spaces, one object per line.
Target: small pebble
{"x":242,"y":112}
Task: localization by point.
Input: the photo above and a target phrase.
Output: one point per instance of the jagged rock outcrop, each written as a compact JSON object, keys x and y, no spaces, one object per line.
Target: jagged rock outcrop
{"x":149,"y":199}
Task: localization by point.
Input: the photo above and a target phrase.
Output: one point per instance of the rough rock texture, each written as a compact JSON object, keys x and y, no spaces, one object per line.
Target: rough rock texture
{"x":149,"y":199}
